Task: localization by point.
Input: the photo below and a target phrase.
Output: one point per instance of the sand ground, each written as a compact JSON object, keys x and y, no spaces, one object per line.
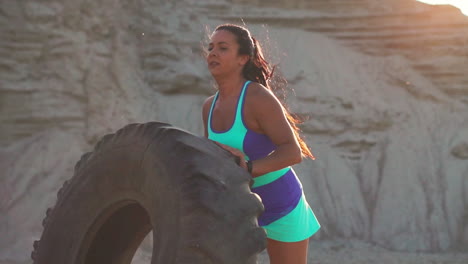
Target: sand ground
{"x":355,"y":252}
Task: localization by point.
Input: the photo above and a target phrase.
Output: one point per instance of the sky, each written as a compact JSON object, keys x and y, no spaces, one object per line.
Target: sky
{"x":462,"y":4}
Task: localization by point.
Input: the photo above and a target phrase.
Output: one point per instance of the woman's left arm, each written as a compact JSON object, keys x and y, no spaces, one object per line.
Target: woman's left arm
{"x":271,"y":119}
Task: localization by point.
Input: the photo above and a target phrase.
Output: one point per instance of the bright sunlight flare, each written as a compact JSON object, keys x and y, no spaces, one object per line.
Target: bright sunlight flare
{"x":462,"y":4}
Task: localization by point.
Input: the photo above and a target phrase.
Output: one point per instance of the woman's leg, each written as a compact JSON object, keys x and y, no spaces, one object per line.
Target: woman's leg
{"x":287,"y":252}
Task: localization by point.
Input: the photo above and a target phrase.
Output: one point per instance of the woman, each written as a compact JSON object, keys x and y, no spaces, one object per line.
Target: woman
{"x":246,"y":118}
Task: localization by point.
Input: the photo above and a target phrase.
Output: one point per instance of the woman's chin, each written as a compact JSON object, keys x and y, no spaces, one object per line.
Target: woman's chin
{"x":215,"y":72}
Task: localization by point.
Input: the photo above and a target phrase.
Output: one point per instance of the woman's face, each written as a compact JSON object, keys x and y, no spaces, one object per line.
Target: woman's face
{"x":223,"y":57}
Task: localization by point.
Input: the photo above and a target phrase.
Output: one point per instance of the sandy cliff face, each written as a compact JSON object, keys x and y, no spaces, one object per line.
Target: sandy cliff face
{"x":384,"y":84}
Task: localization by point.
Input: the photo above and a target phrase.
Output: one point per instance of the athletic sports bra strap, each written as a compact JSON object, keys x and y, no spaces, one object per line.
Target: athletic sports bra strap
{"x":240,"y":102}
{"x":211,"y":111}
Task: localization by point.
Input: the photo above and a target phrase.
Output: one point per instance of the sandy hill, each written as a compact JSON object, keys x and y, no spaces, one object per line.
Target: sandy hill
{"x":383,"y":82}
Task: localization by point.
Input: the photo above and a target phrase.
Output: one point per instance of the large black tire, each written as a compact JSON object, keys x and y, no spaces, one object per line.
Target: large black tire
{"x":153,"y":176}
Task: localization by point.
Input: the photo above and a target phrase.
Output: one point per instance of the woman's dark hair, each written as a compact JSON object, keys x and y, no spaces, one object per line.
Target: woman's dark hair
{"x":257,"y":69}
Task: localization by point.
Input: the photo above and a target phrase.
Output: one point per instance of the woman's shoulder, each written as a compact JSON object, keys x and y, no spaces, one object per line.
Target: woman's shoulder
{"x":208,"y":100}
{"x":261,"y":96}
{"x":207,"y":104}
{"x":257,"y":89}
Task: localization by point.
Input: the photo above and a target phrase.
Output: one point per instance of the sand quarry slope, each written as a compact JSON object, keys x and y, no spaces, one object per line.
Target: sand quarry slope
{"x":384,"y":84}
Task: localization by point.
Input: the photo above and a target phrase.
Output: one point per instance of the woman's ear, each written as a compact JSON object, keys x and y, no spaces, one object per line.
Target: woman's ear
{"x":244,"y":59}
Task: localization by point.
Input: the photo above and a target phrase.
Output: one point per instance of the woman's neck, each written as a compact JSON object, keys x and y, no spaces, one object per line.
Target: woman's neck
{"x":230,"y":86}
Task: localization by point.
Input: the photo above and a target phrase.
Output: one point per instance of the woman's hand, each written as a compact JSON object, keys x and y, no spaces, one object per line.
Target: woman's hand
{"x":235,"y":152}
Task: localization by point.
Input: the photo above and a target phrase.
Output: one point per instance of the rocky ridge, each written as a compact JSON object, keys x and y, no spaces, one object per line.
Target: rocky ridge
{"x":382,"y":82}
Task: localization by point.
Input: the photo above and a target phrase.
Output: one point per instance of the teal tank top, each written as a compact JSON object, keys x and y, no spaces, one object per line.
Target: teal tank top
{"x":252,"y":144}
